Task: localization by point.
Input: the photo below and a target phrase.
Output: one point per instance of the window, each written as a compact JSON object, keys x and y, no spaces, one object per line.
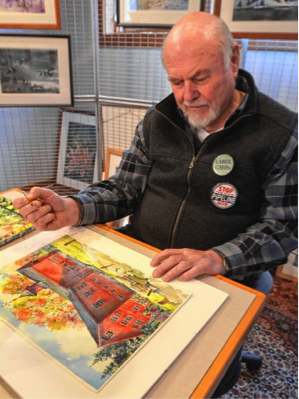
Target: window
{"x":99,"y":282}
{"x":99,"y":302}
{"x":113,"y":290}
{"x":55,"y":259}
{"x":93,"y":279}
{"x":107,"y":335}
{"x":81,"y":286}
{"x":126,"y":320}
{"x":137,"y":323}
{"x":106,"y":286}
{"x":89,"y":292}
{"x":137,"y":307}
{"x":121,"y":296}
{"x":115,"y":317}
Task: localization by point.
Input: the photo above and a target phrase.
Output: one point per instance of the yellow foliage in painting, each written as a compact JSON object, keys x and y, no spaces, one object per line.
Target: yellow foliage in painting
{"x":46,"y":308}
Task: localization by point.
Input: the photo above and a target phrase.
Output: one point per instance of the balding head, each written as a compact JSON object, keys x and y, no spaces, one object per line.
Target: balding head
{"x":196,"y":29}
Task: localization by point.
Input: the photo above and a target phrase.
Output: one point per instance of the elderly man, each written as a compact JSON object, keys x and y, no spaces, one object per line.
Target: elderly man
{"x":210,"y":175}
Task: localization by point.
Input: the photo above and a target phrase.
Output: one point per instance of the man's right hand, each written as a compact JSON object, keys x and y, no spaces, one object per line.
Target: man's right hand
{"x":46,"y":210}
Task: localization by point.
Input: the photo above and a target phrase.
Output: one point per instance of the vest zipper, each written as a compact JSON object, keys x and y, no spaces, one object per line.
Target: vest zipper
{"x":183,"y":203}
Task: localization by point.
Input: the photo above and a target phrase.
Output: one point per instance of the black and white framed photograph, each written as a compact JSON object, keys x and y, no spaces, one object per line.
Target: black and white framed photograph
{"x":261,"y":19}
{"x":77,"y":158}
{"x":30,"y":14}
{"x":155,"y":13}
{"x":35,"y":71}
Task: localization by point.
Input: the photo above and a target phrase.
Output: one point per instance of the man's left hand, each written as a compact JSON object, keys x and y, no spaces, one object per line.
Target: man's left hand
{"x":186,"y":264}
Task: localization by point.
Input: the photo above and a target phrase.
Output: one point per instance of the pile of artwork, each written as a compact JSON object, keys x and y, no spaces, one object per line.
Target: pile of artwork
{"x":12,"y":224}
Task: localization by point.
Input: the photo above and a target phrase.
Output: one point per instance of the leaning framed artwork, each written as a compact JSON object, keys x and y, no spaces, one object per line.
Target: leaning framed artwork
{"x":259,"y":19}
{"x":113,"y":159}
{"x":149,"y":13}
{"x":35,"y":71}
{"x":77,"y":158}
{"x":30,"y":14}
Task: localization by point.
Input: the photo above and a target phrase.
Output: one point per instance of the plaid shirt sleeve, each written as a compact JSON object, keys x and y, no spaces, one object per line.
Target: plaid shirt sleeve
{"x":116,"y":197}
{"x":267,"y":244}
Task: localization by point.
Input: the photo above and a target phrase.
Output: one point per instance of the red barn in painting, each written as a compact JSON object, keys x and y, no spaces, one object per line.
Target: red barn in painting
{"x":111,"y":311}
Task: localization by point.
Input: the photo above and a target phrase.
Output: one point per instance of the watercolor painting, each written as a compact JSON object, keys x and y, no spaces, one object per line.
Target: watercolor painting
{"x":81,"y":150}
{"x":159,"y":4}
{"x":12,"y":224}
{"x":86,"y":310}
{"x":30,"y":6}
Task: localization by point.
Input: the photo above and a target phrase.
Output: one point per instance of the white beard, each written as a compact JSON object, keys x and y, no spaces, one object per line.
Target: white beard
{"x":197,"y":121}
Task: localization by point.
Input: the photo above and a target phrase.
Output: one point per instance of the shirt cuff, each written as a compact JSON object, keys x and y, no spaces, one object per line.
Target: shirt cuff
{"x":234,"y":258}
{"x":88,"y":209}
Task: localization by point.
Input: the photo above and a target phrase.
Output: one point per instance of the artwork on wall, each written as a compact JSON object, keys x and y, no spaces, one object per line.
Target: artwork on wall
{"x":12,"y":224}
{"x":88,"y":314}
{"x":263,"y":19}
{"x":35,"y":71}
{"x":113,"y":159}
{"x":77,"y":159}
{"x":146,"y":13}
{"x":30,"y":14}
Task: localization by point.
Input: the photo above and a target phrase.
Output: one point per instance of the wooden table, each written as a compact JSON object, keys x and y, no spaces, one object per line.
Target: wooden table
{"x":199,"y":369}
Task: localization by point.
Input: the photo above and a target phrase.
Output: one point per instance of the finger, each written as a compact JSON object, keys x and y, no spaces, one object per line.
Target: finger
{"x":40,"y":193}
{"x":45,"y":223}
{"x":191,"y":274}
{"x":176,"y":271}
{"x":20,"y":202}
{"x":160,"y":257}
{"x":166,"y":265}
{"x":39,"y":213}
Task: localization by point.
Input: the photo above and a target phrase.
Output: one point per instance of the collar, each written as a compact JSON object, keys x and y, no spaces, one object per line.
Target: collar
{"x":244,"y":82}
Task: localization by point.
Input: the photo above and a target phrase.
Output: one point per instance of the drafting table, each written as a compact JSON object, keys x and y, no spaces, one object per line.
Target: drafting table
{"x":198,"y":370}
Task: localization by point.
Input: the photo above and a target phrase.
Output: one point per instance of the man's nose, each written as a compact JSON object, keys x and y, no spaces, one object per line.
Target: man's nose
{"x":191,"y":92}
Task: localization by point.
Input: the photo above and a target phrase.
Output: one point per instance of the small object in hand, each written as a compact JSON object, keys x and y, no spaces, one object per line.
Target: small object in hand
{"x":27,"y":199}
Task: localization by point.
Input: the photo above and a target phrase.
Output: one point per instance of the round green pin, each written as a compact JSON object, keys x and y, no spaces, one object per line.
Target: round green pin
{"x":223,"y":164}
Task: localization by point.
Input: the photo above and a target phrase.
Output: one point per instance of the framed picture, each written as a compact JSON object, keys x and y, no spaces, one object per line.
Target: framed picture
{"x":152,"y":13}
{"x":35,"y":71}
{"x":113,"y":159}
{"x":77,"y":159}
{"x":30,"y":14}
{"x":265,"y":19}
{"x":289,"y":271}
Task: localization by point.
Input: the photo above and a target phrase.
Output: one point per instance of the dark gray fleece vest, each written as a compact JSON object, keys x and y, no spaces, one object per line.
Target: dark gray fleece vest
{"x":177,"y":209}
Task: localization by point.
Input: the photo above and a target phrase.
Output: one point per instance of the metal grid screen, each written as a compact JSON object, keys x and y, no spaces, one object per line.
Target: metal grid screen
{"x":117,"y":75}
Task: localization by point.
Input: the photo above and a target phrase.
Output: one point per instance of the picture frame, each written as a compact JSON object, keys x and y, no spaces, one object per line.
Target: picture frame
{"x":35,"y":71}
{"x":258,"y":24}
{"x":77,"y":159}
{"x":113,"y":159}
{"x":36,"y":14}
{"x":289,"y":271}
{"x":141,"y":16}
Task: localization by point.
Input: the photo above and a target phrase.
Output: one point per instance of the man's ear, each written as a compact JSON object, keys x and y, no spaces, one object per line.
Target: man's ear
{"x":235,"y":59}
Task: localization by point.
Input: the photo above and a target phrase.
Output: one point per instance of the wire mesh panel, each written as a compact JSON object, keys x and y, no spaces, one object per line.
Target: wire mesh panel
{"x":30,"y":149}
{"x":118,"y":126}
{"x":112,"y":75}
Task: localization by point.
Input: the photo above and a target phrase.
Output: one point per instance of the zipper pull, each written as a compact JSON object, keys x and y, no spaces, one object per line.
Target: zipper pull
{"x":192,"y":163}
